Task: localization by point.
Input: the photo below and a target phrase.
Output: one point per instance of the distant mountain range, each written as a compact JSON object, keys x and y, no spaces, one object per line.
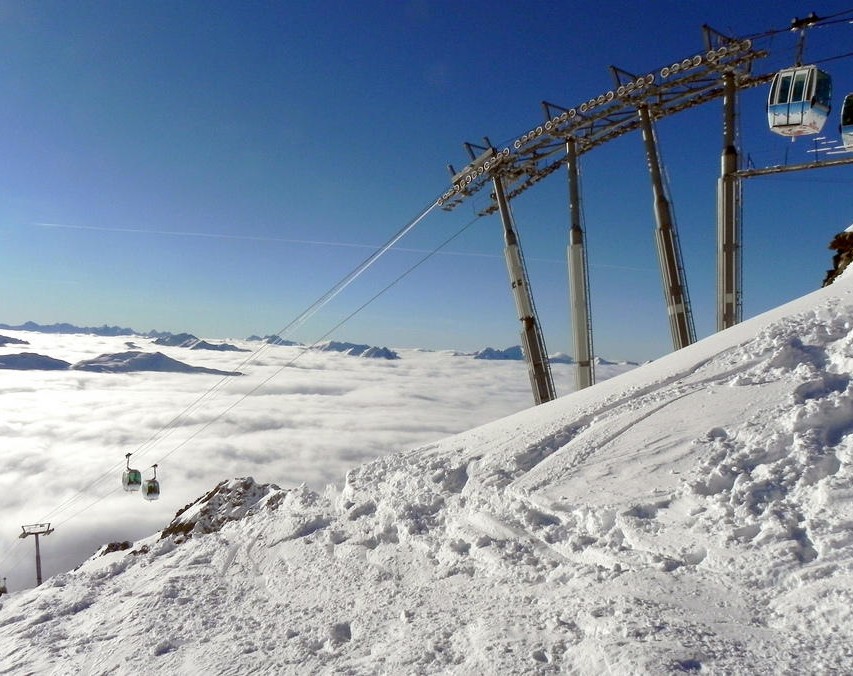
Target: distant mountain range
{"x":188,"y":340}
{"x":30,"y":361}
{"x":273,"y":340}
{"x":70,"y":328}
{"x":515,"y":353}
{"x":193,"y":343}
{"x":357,"y":350}
{"x":122,"y":362}
{"x":7,"y":340}
{"x":161,"y":337}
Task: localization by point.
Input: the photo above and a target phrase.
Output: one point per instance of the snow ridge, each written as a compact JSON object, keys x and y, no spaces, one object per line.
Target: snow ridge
{"x":228,"y":501}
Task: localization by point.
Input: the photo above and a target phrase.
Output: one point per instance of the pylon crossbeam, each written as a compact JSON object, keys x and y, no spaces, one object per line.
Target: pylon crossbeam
{"x":606,"y":117}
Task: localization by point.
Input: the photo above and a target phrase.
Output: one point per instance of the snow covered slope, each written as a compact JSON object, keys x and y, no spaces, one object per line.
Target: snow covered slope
{"x":692,"y":515}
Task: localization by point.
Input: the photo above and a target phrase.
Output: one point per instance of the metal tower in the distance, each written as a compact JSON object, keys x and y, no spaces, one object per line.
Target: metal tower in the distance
{"x":37,"y":529}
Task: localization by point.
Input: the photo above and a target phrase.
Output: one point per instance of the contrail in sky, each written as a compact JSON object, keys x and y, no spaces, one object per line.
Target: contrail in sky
{"x":309,"y":242}
{"x":255,"y":238}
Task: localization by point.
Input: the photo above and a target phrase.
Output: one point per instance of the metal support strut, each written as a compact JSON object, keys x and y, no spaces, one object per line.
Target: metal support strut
{"x":578,"y":278}
{"x":729,"y":305}
{"x":669,"y":251}
{"x":538,"y":367}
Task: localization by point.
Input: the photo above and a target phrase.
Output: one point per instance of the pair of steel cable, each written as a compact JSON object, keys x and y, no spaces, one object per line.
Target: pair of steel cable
{"x":845,"y":16}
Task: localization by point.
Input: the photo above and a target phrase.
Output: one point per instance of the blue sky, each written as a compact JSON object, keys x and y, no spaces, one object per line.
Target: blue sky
{"x":217,"y":167}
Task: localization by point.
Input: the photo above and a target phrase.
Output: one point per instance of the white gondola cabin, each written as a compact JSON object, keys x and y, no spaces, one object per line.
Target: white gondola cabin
{"x":799,"y":101}
{"x":131,"y":478}
{"x":151,"y":487}
{"x":847,"y":122}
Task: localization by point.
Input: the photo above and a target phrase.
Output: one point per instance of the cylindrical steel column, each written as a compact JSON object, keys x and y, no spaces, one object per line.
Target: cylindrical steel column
{"x":538,"y":367}
{"x":38,"y":562}
{"x":578,"y":278}
{"x":729,"y":301}
{"x":669,"y":252}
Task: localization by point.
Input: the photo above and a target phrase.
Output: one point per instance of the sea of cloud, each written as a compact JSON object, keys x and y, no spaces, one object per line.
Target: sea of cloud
{"x":294,"y":417}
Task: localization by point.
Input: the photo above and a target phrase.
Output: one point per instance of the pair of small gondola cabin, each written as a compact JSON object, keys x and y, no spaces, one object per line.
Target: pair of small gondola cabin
{"x":132,"y":481}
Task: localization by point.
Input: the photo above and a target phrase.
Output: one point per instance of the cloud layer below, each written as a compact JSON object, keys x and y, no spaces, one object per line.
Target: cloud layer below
{"x":293,"y":418}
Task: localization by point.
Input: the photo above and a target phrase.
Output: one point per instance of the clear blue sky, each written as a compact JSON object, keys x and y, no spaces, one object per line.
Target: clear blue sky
{"x":223,"y":164}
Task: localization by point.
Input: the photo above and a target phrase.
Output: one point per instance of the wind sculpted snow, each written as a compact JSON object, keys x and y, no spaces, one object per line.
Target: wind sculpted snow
{"x":692,"y":515}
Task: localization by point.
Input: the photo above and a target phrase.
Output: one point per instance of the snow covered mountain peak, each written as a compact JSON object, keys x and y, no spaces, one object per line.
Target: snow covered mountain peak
{"x":230,"y":500}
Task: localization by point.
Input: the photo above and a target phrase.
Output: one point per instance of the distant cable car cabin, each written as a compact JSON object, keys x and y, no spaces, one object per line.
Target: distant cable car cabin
{"x":131,"y":479}
{"x":847,"y":122}
{"x":799,"y":101}
{"x":151,"y":487}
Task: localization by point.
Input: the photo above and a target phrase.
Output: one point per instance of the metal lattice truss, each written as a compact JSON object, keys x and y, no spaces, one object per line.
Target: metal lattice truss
{"x":542,"y":150}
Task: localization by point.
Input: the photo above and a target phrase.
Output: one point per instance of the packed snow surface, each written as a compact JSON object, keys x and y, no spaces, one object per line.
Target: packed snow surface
{"x":692,"y":515}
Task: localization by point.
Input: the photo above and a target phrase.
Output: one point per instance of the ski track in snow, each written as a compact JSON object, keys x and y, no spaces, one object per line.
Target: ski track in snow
{"x":686,"y":517}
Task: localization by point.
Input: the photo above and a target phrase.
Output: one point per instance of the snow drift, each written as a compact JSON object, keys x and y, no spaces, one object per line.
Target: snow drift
{"x":694,"y":514}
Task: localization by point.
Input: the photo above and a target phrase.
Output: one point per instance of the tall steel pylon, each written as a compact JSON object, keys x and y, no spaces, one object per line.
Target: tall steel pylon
{"x":538,"y":366}
{"x":669,"y":250}
{"x":729,"y":302}
{"x":533,"y":343}
{"x":578,"y":276}
{"x":725,"y":66}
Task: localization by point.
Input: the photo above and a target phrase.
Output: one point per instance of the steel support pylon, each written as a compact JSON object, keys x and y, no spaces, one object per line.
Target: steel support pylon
{"x":729,"y":284}
{"x":578,"y":277}
{"x":538,"y":367}
{"x":669,"y":250}
{"x":37,"y":529}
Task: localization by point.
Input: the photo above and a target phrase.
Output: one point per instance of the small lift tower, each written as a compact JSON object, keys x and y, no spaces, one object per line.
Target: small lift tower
{"x":37,"y":529}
